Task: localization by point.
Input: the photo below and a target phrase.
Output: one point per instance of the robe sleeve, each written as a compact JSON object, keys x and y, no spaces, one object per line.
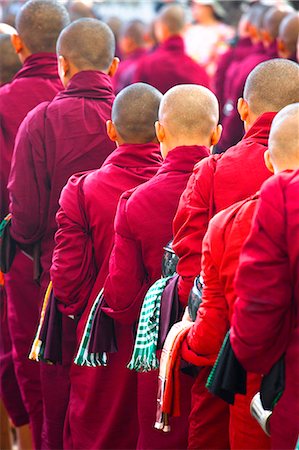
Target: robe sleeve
{"x":205,"y":338}
{"x":191,"y":223}
{"x":127,"y":282}
{"x":29,"y":185}
{"x":73,"y":269}
{"x":261,"y":322}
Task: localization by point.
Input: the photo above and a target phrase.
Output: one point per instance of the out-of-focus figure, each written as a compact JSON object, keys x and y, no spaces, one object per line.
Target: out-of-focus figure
{"x":208,"y":37}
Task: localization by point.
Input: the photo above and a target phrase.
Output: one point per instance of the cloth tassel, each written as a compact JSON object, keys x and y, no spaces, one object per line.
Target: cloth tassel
{"x":36,"y":349}
{"x":83,"y":357}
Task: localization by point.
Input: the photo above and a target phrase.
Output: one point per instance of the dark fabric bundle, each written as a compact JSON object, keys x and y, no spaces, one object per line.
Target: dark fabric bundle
{"x":103,"y":337}
{"x":273,"y":385}
{"x":227,"y":376}
{"x":7,"y":245}
{"x":51,"y":334}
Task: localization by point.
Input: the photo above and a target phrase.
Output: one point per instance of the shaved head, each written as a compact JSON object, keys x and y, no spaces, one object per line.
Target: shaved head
{"x":88,"y":43}
{"x":135,"y":30}
{"x":189,"y":110}
{"x":284,"y":138}
{"x":289,"y":31}
{"x":256,"y":15}
{"x":39,"y":23}
{"x":273,"y":19}
{"x":173,"y":18}
{"x":135,"y":111}
{"x":10,"y":63}
{"x":272,"y":85}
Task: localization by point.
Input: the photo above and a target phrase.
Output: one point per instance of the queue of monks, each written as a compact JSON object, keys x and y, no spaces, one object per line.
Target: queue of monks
{"x":149,"y":243}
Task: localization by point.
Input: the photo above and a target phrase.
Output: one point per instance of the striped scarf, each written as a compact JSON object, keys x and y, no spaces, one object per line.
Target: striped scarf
{"x":144,"y":357}
{"x":83,"y":356}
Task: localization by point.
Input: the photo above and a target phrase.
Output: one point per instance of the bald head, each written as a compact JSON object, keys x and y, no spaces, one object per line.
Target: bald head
{"x":135,"y":111}
{"x":189,"y":110}
{"x":134,"y":30}
{"x":289,"y":31}
{"x":87,"y":43}
{"x":273,"y":19}
{"x":272,"y":85}
{"x":173,"y":18}
{"x":256,"y":15}
{"x":10,"y":63}
{"x":39,"y":23}
{"x":284,"y":138}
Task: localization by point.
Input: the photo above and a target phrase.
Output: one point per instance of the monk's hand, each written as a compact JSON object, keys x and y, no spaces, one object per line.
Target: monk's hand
{"x":186,"y":316}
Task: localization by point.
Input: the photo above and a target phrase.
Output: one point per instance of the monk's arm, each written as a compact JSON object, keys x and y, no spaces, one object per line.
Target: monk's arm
{"x":205,"y":338}
{"x":190,"y":225}
{"x":262,"y":315}
{"x":126,"y":283}
{"x":73,"y":269}
{"x":29,"y":184}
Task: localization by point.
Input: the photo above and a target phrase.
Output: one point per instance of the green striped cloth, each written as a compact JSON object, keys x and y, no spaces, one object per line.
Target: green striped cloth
{"x":144,"y":357}
{"x":83,"y":357}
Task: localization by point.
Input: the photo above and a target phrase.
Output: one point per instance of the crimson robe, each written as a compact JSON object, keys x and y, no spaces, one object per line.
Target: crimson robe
{"x":143,"y":225}
{"x":216,"y":183}
{"x":55,"y":140}
{"x":222,"y":245}
{"x":267,"y":286}
{"x":126,"y":70}
{"x":169,"y":65}
{"x":36,"y":81}
{"x":102,"y":410}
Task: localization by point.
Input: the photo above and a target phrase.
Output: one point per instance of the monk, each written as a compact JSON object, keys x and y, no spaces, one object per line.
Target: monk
{"x":133,"y":48}
{"x":270,"y":258}
{"x":169,"y":65}
{"x":55,"y":140}
{"x":288,"y":36}
{"x":38,"y":25}
{"x":187,"y":128}
{"x":232,"y":125}
{"x":271,"y":24}
{"x":221,"y":180}
{"x":102,"y":410}
{"x":10,"y":62}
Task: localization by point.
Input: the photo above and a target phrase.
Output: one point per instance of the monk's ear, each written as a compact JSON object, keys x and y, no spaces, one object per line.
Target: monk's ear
{"x":63,"y":69}
{"x":243,"y":109}
{"x":268,"y":161}
{"x":113,"y":68}
{"x":216,"y":135}
{"x":17,"y":43}
{"x":160,"y":132}
{"x":111,"y":130}
{"x":281,"y":48}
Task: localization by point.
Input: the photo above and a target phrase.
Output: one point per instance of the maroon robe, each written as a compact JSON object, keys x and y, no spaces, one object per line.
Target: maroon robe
{"x":169,"y":65}
{"x":55,"y":140}
{"x":126,"y":70}
{"x":36,"y":82}
{"x":135,"y":264}
{"x":102,"y":410}
{"x":267,"y":285}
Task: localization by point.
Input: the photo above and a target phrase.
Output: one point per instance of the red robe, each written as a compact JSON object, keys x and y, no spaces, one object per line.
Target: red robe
{"x":126,"y":70}
{"x":222,"y":245}
{"x":36,"y":82}
{"x":55,"y":140}
{"x":143,"y":225}
{"x":169,"y":65}
{"x":267,"y":285}
{"x":216,"y":183}
{"x":102,"y":411}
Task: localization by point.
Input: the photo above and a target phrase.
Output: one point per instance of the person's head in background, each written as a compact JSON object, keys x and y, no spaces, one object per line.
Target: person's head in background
{"x":134,"y":124}
{"x":269,"y":87}
{"x":255,"y":18}
{"x":188,"y":116}
{"x":10,"y":63}
{"x":271,"y":22}
{"x":169,"y":22}
{"x":115,"y":24}
{"x":207,"y":12}
{"x":287,"y":36}
{"x":78,"y":10}
{"x":283,"y":147}
{"x":38,"y":25}
{"x":132,"y":37}
{"x":86,"y":44}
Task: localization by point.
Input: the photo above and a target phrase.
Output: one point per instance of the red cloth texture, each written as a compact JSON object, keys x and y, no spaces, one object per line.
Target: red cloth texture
{"x":102,"y":400}
{"x":267,"y":286}
{"x":216,"y":183}
{"x":169,"y":65}
{"x":126,"y":70}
